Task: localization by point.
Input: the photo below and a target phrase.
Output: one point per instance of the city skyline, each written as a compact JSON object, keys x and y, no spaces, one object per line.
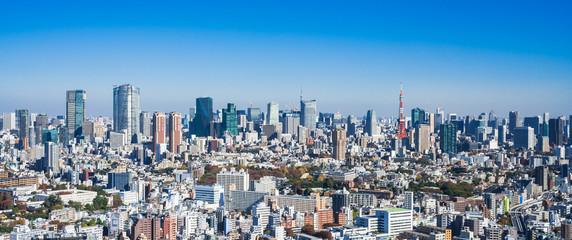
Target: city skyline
{"x":446,"y":56}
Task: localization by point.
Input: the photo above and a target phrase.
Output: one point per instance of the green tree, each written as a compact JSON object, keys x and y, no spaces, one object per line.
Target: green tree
{"x":100,"y":202}
{"x":117,"y":201}
{"x":52,"y":201}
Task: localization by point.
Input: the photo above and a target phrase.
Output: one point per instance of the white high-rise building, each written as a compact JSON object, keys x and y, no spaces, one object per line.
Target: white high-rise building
{"x":272,"y":114}
{"x":9,"y":121}
{"x":126,"y":110}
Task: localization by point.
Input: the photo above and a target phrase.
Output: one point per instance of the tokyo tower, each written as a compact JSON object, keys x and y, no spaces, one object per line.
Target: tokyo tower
{"x":401,"y":130}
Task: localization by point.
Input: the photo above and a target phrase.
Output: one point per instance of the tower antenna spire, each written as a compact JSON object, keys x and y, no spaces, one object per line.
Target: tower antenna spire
{"x":401,"y":129}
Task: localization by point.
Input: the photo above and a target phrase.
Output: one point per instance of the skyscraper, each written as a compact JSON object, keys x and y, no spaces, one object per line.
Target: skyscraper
{"x":417,"y":117}
{"x":272,"y":116}
{"x":51,"y":157}
{"x":513,"y":120}
{"x":203,"y":117}
{"x":145,"y":127}
{"x":126,"y":110}
{"x":422,"y":134}
{"x":229,"y":120}
{"x":308,"y":115}
{"x":175,"y":131}
{"x":339,"y":141}
{"x":524,"y":138}
{"x":75,"y":111}
{"x":290,"y":122}
{"x":9,"y":121}
{"x":158,"y":130}
{"x":371,"y":123}
{"x":556,"y":132}
{"x":254,"y":115}
{"x":533,"y":122}
{"x":23,"y":122}
{"x":448,"y":138}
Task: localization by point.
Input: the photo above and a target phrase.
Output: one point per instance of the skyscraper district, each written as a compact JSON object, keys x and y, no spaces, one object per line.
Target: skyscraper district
{"x":290,"y":173}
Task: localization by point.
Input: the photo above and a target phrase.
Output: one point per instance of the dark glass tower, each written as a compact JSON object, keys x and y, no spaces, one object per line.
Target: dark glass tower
{"x":417,"y":117}
{"x":229,"y":120}
{"x":203,"y":116}
{"x":448,"y":138}
{"x":75,"y":111}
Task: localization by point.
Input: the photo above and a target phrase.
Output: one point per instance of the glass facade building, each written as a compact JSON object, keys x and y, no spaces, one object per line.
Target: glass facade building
{"x":126,"y":109}
{"x":203,"y":116}
{"x":308,"y":114}
{"x":448,"y":138}
{"x":75,"y":111}
{"x":229,"y":120}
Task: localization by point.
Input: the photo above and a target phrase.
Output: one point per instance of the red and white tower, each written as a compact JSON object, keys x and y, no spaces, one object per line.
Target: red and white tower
{"x":401,"y":130}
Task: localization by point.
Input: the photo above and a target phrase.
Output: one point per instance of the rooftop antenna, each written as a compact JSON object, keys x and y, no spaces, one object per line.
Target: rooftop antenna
{"x":300,"y":93}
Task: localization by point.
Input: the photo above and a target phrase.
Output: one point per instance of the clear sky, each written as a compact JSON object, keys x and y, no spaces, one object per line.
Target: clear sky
{"x":465,"y":56}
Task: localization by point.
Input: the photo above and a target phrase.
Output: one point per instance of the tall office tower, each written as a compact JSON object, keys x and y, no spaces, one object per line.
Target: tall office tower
{"x":417,"y":117}
{"x":431,"y":120}
{"x":541,"y":176}
{"x":51,"y":157}
{"x":23,"y":122}
{"x":556,"y":132}
{"x":340,"y":200}
{"x":9,"y":121}
{"x":126,"y":110}
{"x":203,"y":117}
{"x":452,"y":117}
{"x":229,"y":120}
{"x":308,"y":114}
{"x":175,"y":131}
{"x":493,"y":120}
{"x":408,"y":200}
{"x":290,"y":122}
{"x":192,"y":114}
{"x":42,"y":121}
{"x":352,"y":125}
{"x":145,"y":127}
{"x":545,"y":117}
{"x":422,"y":137}
{"x":339,"y":141}
{"x":401,"y":129}
{"x":158,"y":130}
{"x":120,"y":181}
{"x":502,"y":133}
{"x":513,"y":120}
{"x":272,"y":114}
{"x":448,"y":138}
{"x":533,"y":122}
{"x":371,"y":123}
{"x":439,"y":116}
{"x":524,"y":138}
{"x":254,"y":115}
{"x":75,"y":111}
{"x":233,"y":180}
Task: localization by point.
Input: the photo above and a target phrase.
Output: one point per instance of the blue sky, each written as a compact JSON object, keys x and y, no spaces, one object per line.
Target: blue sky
{"x":465,"y":56}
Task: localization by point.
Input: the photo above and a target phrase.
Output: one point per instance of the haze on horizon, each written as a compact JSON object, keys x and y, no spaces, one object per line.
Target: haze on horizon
{"x":465,"y":57}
